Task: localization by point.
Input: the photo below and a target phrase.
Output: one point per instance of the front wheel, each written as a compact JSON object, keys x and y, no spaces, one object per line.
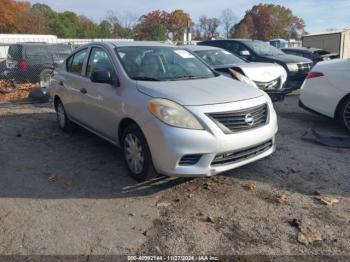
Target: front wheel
{"x":137,"y":154}
{"x":345,"y":114}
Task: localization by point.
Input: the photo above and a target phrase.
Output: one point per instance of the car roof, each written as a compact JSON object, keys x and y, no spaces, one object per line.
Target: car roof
{"x":113,"y":44}
{"x":200,"y":48}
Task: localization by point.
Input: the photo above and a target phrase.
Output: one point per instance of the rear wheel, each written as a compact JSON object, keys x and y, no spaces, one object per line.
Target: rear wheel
{"x":345,"y":114}
{"x":63,"y":121}
{"x":137,"y":154}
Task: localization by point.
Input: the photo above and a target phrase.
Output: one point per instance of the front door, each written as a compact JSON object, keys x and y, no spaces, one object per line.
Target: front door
{"x":103,"y":104}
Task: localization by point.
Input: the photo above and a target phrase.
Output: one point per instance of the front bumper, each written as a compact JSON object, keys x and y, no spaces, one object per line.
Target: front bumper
{"x":278,"y":94}
{"x":295,"y":81}
{"x":169,"y":144}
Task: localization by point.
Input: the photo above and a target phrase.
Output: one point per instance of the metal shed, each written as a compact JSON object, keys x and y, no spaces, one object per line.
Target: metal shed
{"x":334,"y":42}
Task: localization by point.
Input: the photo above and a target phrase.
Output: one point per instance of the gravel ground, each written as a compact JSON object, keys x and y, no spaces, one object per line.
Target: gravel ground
{"x":70,"y":194}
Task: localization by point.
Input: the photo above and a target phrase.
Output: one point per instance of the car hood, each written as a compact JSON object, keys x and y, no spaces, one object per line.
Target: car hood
{"x":259,"y":72}
{"x":289,"y":59}
{"x":216,"y":90}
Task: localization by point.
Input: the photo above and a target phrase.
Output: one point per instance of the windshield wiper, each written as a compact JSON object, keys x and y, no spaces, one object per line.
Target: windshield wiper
{"x":188,"y":77}
{"x":146,"y":78}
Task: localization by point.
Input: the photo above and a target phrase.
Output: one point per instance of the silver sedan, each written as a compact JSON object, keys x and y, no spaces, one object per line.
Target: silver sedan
{"x":168,"y":111}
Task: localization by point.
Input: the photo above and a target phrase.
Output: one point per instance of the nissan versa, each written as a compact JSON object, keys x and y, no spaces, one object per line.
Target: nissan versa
{"x":168,"y":111}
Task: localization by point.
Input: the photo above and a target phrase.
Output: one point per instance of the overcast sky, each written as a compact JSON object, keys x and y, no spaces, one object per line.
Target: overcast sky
{"x":319,"y":15}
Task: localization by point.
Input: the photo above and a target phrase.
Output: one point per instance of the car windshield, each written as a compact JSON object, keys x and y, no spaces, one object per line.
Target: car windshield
{"x":219,"y":57}
{"x":262,"y":48}
{"x":154,"y":63}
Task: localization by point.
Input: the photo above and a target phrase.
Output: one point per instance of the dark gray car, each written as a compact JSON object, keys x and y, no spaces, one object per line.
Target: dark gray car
{"x":257,"y":51}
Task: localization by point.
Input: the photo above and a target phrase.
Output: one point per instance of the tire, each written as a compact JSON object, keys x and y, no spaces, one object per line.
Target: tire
{"x":137,"y":155}
{"x":345,"y":114}
{"x":63,"y":121}
{"x":44,"y":77}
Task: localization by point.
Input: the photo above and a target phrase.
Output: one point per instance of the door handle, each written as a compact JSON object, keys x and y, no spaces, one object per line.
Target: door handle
{"x":83,"y":91}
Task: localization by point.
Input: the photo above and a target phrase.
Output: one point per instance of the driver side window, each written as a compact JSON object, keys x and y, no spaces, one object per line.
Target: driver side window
{"x":99,"y":61}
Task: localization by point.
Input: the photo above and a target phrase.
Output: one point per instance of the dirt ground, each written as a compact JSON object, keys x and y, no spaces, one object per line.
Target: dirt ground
{"x":70,"y":194}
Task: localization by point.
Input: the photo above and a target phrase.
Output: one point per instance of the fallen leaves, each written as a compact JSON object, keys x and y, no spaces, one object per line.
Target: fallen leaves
{"x":67,"y":184}
{"x":327,"y":200}
{"x":281,"y":199}
{"x":308,"y":233}
{"x":52,"y":178}
{"x":249,"y":186}
{"x":9,"y":91}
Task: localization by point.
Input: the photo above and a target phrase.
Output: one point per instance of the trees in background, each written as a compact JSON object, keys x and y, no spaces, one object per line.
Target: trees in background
{"x":228,"y":19}
{"x":263,"y":22}
{"x":267,"y":21}
{"x":207,"y":28}
{"x":163,"y":25}
{"x":152,"y":26}
{"x":13,"y":16}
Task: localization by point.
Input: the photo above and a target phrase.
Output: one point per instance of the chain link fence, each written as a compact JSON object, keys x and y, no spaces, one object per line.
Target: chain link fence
{"x":26,"y":63}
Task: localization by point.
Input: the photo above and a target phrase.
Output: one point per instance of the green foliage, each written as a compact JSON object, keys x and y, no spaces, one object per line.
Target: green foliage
{"x":158,"y":32}
{"x":263,"y":21}
{"x":267,"y":21}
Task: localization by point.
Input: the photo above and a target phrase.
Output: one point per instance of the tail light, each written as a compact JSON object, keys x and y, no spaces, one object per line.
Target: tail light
{"x":23,"y":65}
{"x":314,"y":74}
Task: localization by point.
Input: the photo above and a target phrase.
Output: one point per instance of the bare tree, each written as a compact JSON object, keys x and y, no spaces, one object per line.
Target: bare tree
{"x":202,"y":27}
{"x":122,"y":23}
{"x":208,"y":27}
{"x":228,"y":19}
{"x":213,"y":25}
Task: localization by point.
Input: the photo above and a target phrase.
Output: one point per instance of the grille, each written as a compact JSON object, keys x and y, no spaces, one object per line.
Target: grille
{"x":271,"y":85}
{"x":189,"y":160}
{"x":235,"y":121}
{"x":237,"y":156}
{"x":304,"y":67}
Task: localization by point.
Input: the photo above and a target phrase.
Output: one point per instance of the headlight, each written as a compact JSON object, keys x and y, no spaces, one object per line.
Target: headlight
{"x":173,"y":114}
{"x":242,"y":78}
{"x":293,"y":67}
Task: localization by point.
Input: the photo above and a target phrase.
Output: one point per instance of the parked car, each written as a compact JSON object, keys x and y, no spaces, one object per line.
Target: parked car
{"x":326,"y":90}
{"x":268,"y":77}
{"x":168,"y":111}
{"x":34,"y":62}
{"x":279,"y":43}
{"x":314,"y":54}
{"x":257,"y":51}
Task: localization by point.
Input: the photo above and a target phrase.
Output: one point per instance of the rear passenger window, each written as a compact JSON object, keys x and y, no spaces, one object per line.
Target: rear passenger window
{"x":75,"y":63}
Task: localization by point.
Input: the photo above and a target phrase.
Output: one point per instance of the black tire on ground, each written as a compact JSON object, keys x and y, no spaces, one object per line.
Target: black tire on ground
{"x":345,"y":113}
{"x":137,"y":159}
{"x":63,"y":121}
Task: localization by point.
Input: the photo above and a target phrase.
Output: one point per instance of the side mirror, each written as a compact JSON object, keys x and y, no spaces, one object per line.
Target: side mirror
{"x":245,"y":53}
{"x":103,"y":77}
